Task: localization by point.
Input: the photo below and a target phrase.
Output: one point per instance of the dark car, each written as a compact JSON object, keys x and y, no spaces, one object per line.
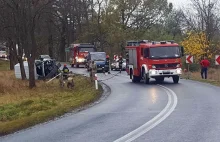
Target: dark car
{"x":100,"y":60}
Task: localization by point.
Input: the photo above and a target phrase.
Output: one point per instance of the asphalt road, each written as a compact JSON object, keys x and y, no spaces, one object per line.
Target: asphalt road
{"x":188,"y":111}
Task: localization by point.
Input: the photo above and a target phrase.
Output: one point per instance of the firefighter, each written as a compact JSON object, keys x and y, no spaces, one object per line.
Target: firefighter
{"x":70,"y":82}
{"x":120,"y":63}
{"x":127,"y":62}
{"x":93,"y":70}
{"x":65,"y":71}
{"x":108,"y":63}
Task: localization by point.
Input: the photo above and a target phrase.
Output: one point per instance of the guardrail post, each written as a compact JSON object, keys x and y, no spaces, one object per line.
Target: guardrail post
{"x":96,"y":82}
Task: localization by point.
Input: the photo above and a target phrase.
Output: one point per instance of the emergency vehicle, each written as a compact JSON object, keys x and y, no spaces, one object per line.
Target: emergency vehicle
{"x":79,"y":52}
{"x":156,"y":60}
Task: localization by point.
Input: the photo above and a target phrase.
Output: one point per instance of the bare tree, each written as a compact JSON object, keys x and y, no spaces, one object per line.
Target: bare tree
{"x":204,"y":17}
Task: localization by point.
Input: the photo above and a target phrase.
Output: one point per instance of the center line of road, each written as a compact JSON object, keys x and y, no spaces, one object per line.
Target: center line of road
{"x":172,"y":102}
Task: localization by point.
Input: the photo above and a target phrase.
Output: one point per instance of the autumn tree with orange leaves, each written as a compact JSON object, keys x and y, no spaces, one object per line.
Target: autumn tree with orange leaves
{"x":197,"y":45}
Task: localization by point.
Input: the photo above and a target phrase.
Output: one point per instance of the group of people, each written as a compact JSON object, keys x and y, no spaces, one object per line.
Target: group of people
{"x":93,"y":67}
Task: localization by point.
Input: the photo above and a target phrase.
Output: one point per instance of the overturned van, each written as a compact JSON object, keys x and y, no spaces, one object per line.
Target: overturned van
{"x":43,"y":69}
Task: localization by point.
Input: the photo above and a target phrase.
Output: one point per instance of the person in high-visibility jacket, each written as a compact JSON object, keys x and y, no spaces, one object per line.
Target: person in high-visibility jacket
{"x":65,"y":71}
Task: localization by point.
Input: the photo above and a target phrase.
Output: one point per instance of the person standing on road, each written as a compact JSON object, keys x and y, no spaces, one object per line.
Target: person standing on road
{"x":108,"y":63}
{"x":120,"y":63}
{"x":204,"y":67}
{"x":93,"y":70}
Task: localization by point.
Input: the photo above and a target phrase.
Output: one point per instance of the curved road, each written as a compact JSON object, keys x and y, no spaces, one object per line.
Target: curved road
{"x":188,"y":111}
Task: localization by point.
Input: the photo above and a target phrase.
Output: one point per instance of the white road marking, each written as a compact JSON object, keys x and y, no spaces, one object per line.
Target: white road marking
{"x":172,"y":102}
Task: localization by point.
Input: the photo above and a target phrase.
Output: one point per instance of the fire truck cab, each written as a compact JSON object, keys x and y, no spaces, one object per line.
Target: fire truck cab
{"x":156,"y":60}
{"x":79,"y":52}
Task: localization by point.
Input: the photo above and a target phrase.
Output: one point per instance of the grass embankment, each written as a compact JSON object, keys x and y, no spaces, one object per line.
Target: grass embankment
{"x":213,"y":77}
{"x":4,"y":65}
{"x":21,"y":107}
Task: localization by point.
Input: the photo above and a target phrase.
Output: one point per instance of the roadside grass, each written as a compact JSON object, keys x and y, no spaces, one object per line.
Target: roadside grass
{"x":4,"y":65}
{"x":213,"y":76}
{"x":21,"y":107}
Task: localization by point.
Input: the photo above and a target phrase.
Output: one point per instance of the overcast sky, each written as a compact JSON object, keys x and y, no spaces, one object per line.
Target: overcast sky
{"x":179,"y":3}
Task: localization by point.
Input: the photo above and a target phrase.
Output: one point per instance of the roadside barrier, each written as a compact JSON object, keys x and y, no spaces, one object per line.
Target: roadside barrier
{"x":96,"y":82}
{"x":53,"y":78}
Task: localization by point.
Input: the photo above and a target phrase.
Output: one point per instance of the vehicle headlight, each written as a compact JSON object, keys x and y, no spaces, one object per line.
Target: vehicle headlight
{"x":80,"y":60}
{"x":153,"y":72}
{"x":179,"y":71}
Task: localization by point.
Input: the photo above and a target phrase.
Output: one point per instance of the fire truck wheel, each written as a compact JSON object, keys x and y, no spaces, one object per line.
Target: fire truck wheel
{"x":146,"y":79}
{"x":176,"y":79}
{"x":136,"y":79}
{"x":72,"y":65}
{"x":77,"y":65}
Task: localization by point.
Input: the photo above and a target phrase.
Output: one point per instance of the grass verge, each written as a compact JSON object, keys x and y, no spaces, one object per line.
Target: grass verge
{"x":213,"y":77}
{"x":4,"y":65}
{"x":21,"y":107}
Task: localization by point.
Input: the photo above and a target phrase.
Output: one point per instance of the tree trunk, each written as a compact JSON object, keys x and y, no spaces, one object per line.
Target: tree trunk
{"x":12,"y":55}
{"x":31,"y":60}
{"x":31,"y":73}
{"x":11,"y":58}
{"x":50,"y":39}
{"x":62,"y":48}
{"x":63,"y":42}
{"x":23,"y":75}
{"x":19,"y":58}
{"x":20,"y":61}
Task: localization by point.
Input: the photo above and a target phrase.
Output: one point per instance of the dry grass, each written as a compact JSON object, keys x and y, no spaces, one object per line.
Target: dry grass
{"x":213,"y":76}
{"x":4,"y":65}
{"x":21,"y":107}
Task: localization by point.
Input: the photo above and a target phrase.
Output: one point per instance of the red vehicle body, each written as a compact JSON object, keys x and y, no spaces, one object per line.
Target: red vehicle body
{"x":79,"y":52}
{"x":156,"y":60}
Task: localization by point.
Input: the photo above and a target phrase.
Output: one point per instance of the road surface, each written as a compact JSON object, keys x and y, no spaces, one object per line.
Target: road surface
{"x":188,"y":111}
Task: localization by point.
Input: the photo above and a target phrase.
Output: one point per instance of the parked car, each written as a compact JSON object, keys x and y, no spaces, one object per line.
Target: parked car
{"x":44,"y":57}
{"x":115,"y":65}
{"x":3,"y":54}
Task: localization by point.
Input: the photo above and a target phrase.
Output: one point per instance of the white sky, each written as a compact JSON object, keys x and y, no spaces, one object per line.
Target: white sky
{"x":180,"y":3}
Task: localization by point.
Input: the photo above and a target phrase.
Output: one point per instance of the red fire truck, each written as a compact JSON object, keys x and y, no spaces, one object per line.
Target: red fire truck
{"x":79,"y":52}
{"x":156,"y":60}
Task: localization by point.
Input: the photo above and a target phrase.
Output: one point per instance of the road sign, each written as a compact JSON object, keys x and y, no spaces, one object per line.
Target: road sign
{"x":115,"y":57}
{"x":217,"y":59}
{"x":67,"y":50}
{"x":189,"y":59}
